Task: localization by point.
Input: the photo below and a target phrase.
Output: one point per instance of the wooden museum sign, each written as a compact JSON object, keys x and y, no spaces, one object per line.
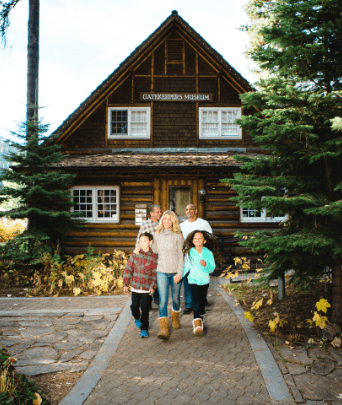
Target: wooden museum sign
{"x":207,"y":97}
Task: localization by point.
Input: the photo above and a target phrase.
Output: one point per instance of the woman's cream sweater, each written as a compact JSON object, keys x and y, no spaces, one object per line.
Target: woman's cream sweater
{"x":169,"y":246}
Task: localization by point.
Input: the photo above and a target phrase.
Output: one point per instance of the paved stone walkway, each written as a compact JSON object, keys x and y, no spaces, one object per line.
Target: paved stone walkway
{"x":230,"y":364}
{"x":218,"y":368}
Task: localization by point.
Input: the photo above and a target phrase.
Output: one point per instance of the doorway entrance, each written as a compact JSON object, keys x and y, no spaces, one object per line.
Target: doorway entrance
{"x":179,"y":198}
{"x":176,"y":193}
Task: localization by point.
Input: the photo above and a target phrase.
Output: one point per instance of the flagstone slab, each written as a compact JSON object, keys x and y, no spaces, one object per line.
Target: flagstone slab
{"x":68,"y":345}
{"x":92,"y":318}
{"x":88,"y":354}
{"x":337,"y":355}
{"x":4,"y":324}
{"x":82,"y":336}
{"x":53,"y":368}
{"x":39,"y":324}
{"x":37,"y":332}
{"x":65,"y":327}
{"x":317,"y":353}
{"x":111,"y":317}
{"x":337,"y":374}
{"x":7,"y":342}
{"x":98,"y":333}
{"x":85,"y":326}
{"x":10,"y":332}
{"x":299,"y":355}
{"x":67,"y":356}
{"x":318,"y":388}
{"x":26,"y":313}
{"x":101,"y":324}
{"x":68,"y":321}
{"x":41,"y":352}
{"x":322,"y":366}
{"x":52,"y":338}
{"x":33,"y":362}
{"x":18,"y":348}
{"x":296,"y":369}
{"x":25,"y":318}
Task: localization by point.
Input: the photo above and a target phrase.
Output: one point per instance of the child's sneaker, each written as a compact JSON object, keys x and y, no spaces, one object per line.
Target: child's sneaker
{"x":137,"y":323}
{"x":144,"y":334}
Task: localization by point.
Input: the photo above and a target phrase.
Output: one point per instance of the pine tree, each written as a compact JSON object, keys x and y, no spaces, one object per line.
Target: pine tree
{"x":297,"y":46}
{"x":42,"y":190}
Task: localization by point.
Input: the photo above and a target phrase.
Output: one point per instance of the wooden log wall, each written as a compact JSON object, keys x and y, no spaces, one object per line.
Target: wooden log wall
{"x":218,"y":208}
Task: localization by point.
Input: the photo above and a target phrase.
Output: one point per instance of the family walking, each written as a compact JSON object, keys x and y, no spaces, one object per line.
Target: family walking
{"x":163,"y":260}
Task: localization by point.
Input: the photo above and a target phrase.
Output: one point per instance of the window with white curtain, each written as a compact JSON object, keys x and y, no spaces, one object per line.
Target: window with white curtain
{"x":98,"y":204}
{"x":250,"y":215}
{"x":129,"y":122}
{"x":219,"y":123}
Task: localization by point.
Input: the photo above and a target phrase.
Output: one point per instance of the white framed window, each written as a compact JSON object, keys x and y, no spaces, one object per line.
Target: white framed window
{"x":98,"y":204}
{"x":250,"y":215}
{"x":129,"y":122}
{"x":219,"y":122}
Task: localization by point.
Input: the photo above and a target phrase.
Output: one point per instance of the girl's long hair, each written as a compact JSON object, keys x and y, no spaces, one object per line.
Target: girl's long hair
{"x":211,"y":244}
{"x":175,"y":224}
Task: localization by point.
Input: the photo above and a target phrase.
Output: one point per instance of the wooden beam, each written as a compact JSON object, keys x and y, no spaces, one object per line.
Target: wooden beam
{"x":96,"y":234}
{"x":220,"y":208}
{"x":137,"y":199}
{"x":101,"y":243}
{"x":113,"y":226}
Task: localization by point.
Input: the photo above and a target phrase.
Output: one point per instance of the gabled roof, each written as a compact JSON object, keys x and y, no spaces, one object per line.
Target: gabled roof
{"x":174,"y":18}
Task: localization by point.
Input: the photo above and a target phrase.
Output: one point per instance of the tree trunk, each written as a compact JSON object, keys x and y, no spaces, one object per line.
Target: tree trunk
{"x":32,"y":62}
{"x":337,"y":291}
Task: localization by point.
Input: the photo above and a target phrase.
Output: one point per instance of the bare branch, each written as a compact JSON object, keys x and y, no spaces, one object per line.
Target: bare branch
{"x":4,"y":18}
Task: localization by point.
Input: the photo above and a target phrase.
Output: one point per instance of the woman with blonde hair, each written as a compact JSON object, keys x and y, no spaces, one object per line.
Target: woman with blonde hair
{"x":168,"y":244}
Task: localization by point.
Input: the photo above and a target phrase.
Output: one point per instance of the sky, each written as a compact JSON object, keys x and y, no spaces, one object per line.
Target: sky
{"x":83,"y":41}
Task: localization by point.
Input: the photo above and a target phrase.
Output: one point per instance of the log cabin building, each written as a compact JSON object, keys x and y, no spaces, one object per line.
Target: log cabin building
{"x":160,"y":129}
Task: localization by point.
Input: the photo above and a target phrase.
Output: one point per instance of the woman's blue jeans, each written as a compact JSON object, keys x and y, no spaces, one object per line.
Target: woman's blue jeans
{"x":164,"y":282}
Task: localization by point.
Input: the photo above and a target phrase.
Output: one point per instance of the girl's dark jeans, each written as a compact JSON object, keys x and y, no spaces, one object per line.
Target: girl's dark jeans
{"x":199,"y":297}
{"x":143,"y":301}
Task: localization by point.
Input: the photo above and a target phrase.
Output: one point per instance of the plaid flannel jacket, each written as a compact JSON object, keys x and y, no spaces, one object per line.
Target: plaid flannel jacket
{"x":147,"y":226}
{"x":140,"y":270}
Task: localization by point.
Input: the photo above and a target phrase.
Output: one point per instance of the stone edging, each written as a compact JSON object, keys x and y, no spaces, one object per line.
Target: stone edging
{"x":275,"y":383}
{"x":93,"y":374}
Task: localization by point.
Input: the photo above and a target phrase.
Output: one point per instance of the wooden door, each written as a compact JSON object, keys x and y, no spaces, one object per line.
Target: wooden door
{"x":174,"y":193}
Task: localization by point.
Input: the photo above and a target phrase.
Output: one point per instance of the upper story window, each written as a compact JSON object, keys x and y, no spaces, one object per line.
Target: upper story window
{"x":129,"y":122}
{"x":219,"y":123}
{"x":97,"y":203}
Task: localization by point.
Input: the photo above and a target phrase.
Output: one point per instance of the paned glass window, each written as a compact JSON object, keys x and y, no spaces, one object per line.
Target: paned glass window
{"x":97,"y":203}
{"x":250,"y":215}
{"x":219,"y":123}
{"x":130,"y":122}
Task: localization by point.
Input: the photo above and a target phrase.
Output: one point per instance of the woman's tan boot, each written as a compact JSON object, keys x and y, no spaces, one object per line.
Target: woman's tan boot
{"x":198,"y":326}
{"x":175,"y":319}
{"x":164,"y":328}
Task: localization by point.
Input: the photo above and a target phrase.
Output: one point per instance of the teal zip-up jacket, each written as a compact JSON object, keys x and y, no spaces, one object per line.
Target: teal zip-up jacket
{"x":198,"y":274}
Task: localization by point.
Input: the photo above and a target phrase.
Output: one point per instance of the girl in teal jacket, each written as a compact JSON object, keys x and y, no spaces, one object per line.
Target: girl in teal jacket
{"x":199,"y":262}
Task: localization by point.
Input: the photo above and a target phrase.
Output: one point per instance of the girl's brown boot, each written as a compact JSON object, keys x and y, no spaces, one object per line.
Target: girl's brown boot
{"x":198,"y":326}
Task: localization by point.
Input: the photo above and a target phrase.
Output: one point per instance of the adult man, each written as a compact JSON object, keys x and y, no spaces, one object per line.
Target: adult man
{"x":193,"y":223}
{"x":150,"y":226}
